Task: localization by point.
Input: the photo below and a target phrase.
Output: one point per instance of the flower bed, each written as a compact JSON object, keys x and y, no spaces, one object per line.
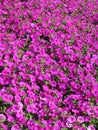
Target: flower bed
{"x":48,"y":65}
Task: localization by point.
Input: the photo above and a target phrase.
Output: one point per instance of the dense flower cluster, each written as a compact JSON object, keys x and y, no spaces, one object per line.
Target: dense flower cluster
{"x":48,"y":64}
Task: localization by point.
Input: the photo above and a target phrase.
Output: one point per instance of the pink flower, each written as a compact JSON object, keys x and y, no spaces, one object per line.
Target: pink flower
{"x":10,"y":119}
{"x":17,"y":98}
{"x":91,"y":127}
{"x":20,"y":105}
{"x":95,"y":92}
{"x":82,"y":128}
{"x":3,"y":127}
{"x":32,"y":108}
{"x":2,"y":117}
{"x":96,"y":109}
{"x":15,"y":108}
{"x":80,"y":119}
{"x":56,"y":127}
{"x":90,"y":111}
{"x":71,"y":119}
{"x":69,"y":125}
{"x":7,"y":98}
{"x":19,"y":113}
{"x":15,"y":127}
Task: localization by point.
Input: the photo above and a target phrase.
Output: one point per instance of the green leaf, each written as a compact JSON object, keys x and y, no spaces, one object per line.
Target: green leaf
{"x":47,"y":82}
{"x":64,"y":129}
{"x":72,"y":40}
{"x":24,"y":127}
{"x":84,"y":50}
{"x":66,"y":71}
{"x":95,"y":122}
{"x":31,"y":116}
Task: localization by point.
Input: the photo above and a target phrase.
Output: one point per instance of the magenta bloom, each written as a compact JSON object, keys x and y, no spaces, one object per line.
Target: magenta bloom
{"x":96,"y":109}
{"x":80,"y":119}
{"x":71,"y":119}
{"x":15,"y":127}
{"x":69,"y":125}
{"x":2,"y":117}
{"x":7,"y":98}
{"x":91,"y":127}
